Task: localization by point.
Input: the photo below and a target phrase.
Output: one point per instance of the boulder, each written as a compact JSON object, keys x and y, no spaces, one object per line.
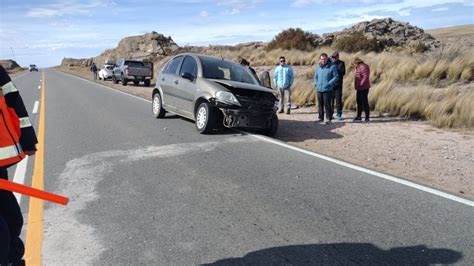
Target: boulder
{"x":9,"y":64}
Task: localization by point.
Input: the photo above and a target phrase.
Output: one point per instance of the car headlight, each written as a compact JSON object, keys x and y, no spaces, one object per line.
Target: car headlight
{"x":227,"y":97}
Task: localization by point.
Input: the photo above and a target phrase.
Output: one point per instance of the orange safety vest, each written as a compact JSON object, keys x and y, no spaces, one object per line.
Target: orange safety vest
{"x":10,"y":132}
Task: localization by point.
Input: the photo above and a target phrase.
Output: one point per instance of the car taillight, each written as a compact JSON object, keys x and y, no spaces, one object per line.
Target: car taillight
{"x":126,"y":70}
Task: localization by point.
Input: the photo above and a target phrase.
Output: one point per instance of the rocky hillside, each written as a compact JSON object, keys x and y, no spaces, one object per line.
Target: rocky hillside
{"x":155,"y":46}
{"x":143,"y":47}
{"x":390,"y":32}
{"x":9,"y":64}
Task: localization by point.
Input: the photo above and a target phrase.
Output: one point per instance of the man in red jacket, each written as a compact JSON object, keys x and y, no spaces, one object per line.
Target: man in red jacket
{"x":362,"y":86}
{"x":17,"y":139}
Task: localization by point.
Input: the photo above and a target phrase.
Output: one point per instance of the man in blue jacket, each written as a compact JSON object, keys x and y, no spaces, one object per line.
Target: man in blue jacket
{"x":325,"y":77}
{"x":283,"y":78}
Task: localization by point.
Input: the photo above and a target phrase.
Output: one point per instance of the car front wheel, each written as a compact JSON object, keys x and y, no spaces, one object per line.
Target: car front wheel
{"x":205,"y":118}
{"x":273,"y":127}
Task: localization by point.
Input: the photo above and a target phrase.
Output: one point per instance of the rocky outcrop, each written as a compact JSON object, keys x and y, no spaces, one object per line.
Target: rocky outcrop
{"x":71,"y":62}
{"x":389,"y":32}
{"x":9,"y":64}
{"x":145,"y":47}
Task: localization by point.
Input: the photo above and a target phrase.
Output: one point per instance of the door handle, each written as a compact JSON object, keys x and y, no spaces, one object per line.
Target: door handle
{"x":176,"y":82}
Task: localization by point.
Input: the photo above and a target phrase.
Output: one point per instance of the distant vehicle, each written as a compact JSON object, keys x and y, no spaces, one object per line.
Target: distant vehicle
{"x":213,"y":91}
{"x":132,"y":70}
{"x":106,"y":72}
{"x":33,"y":68}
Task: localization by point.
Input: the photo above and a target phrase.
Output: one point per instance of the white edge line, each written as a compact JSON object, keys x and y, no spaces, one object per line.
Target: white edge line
{"x":323,"y":157}
{"x":21,"y":75}
{"x":19,"y":176}
{"x":368,"y":171}
{"x":101,"y":85}
{"x":35,"y":107}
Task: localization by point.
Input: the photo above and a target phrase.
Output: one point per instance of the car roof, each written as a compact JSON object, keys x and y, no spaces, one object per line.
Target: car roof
{"x":203,"y":55}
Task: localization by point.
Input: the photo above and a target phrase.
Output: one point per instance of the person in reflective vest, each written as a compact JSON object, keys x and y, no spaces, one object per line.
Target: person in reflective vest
{"x":17,"y":139}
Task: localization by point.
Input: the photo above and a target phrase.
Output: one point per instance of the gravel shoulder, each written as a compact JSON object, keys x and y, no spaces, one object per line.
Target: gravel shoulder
{"x":413,"y":150}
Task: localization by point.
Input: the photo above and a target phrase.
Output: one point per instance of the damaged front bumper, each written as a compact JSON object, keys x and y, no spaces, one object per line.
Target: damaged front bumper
{"x":248,"y":116}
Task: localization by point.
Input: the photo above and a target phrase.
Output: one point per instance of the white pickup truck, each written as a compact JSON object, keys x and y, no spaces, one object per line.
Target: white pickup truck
{"x":132,"y":70}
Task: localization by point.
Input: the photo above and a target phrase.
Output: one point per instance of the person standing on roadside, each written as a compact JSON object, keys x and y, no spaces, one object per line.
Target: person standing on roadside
{"x":94,"y":70}
{"x":325,"y":78}
{"x":362,"y":86}
{"x":337,"y":89}
{"x":17,"y":139}
{"x":283,"y":78}
{"x":246,"y":64}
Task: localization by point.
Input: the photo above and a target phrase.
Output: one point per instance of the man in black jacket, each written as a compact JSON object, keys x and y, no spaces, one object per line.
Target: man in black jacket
{"x":337,"y":89}
{"x":11,"y":219}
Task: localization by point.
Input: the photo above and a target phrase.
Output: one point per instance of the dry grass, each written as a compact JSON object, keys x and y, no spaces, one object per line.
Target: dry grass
{"x":436,"y":86}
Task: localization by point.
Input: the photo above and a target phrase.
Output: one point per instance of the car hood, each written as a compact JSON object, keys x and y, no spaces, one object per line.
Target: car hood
{"x":241,"y":85}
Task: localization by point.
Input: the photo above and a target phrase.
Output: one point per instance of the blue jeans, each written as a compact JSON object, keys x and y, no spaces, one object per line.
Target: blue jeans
{"x":11,"y":222}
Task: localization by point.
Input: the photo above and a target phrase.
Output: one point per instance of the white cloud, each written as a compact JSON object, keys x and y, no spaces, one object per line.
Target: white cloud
{"x":301,"y":3}
{"x":204,"y":14}
{"x":235,"y":6}
{"x":440,"y":9}
{"x":69,"y":7}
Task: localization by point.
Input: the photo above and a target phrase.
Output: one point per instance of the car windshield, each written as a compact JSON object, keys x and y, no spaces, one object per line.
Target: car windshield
{"x":216,"y":68}
{"x":32,"y":65}
{"x":134,"y":63}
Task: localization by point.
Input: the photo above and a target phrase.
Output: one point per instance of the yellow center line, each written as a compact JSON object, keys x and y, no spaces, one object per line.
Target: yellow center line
{"x":34,"y":233}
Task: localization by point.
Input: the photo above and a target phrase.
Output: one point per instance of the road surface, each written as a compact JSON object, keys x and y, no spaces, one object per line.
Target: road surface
{"x":155,"y":192}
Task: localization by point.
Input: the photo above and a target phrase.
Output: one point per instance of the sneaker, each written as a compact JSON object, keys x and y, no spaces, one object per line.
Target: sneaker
{"x":339,"y":117}
{"x":367,"y":119}
{"x":357,"y":118}
{"x":319,"y":121}
{"x":288,"y":111}
{"x":328,"y":122}
{"x":280,"y":112}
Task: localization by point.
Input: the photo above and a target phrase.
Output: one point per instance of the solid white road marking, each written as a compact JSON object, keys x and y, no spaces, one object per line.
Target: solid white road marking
{"x":369,"y":171}
{"x":19,"y":176}
{"x":35,"y":107}
{"x":323,"y":157}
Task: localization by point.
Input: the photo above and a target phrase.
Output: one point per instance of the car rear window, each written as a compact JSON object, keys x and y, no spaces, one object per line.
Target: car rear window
{"x":173,"y":65}
{"x":109,"y":67}
{"x":134,"y":64}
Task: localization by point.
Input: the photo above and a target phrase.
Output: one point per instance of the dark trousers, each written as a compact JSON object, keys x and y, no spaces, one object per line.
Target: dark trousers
{"x":337,"y":99}
{"x":11,"y":222}
{"x":363,"y":103}
{"x":324,"y":103}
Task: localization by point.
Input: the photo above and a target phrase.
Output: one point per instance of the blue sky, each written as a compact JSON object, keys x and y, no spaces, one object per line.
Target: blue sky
{"x":45,"y":31}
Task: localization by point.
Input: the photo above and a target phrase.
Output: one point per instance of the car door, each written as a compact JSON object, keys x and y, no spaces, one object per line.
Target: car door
{"x":167,"y":81}
{"x":186,"y":87}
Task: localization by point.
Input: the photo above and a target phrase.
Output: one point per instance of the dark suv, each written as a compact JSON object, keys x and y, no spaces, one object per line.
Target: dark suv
{"x":213,"y":91}
{"x":33,"y":68}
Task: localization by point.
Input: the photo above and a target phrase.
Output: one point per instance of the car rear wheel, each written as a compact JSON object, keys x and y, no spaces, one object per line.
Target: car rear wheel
{"x":135,"y":82}
{"x":157,"y":106}
{"x":273,"y":127}
{"x":205,"y":118}
{"x":114,"y":79}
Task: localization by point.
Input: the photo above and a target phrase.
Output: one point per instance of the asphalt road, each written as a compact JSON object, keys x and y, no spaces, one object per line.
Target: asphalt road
{"x":155,"y":192}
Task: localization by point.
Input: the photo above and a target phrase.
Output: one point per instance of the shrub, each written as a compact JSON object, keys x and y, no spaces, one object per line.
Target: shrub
{"x":357,"y":42}
{"x":294,"y":39}
{"x":420,"y":48}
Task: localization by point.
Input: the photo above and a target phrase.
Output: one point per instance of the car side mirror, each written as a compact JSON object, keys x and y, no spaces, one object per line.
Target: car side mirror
{"x":265,"y":80}
{"x":188,"y":76}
